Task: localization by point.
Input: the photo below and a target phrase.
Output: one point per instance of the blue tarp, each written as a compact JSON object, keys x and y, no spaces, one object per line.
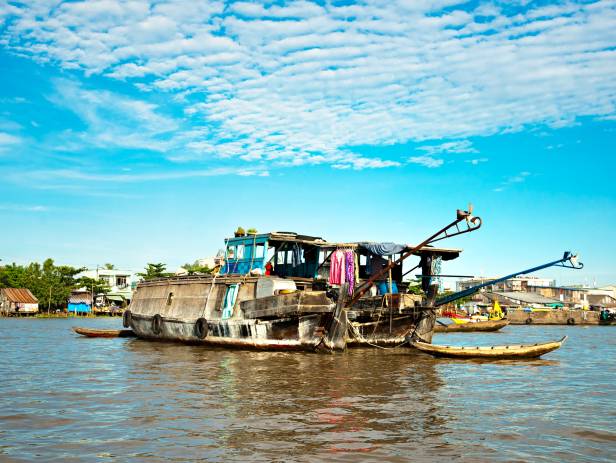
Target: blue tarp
{"x":383,"y":249}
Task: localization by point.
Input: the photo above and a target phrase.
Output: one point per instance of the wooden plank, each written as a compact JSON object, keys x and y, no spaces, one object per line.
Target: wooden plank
{"x":287,"y":311}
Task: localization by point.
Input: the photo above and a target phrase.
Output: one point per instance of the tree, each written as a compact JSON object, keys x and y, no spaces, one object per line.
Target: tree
{"x":154,"y":271}
{"x":51,"y":284}
{"x":195,"y":267}
{"x":109,"y":267}
{"x":99,"y":286}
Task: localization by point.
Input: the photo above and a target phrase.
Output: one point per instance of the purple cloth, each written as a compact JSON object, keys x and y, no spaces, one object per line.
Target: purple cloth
{"x":350,"y":270}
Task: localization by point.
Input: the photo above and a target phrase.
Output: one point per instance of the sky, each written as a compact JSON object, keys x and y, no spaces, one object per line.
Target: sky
{"x":147,"y":131}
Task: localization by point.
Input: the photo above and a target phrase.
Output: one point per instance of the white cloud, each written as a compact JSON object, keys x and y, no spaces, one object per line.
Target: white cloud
{"x":461,"y":146}
{"x":8,"y":141}
{"x":298,"y":82}
{"x":50,"y":177}
{"x":476,"y":161}
{"x":112,"y":119}
{"x":427,"y":161}
{"x":518,"y":178}
{"x":22,"y":208}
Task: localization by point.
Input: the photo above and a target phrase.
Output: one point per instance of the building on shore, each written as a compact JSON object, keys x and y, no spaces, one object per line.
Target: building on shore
{"x":80,"y":302}
{"x":121,"y":282}
{"x":18,"y":301}
{"x":519,"y":283}
{"x":521,"y":299}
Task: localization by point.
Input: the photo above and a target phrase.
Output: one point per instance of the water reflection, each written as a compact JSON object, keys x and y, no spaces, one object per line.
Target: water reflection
{"x":66,"y":398}
{"x":281,"y":404}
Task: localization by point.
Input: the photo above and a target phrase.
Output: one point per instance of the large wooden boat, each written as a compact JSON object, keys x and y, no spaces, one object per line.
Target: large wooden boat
{"x":285,"y":291}
{"x":488,"y":325}
{"x":490,"y":352}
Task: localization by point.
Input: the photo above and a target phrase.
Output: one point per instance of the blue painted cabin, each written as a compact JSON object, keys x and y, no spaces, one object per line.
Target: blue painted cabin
{"x":289,"y":253}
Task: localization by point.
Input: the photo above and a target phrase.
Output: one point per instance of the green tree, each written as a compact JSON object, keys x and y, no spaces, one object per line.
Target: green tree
{"x":109,"y":267}
{"x":154,"y":271}
{"x":51,"y":284}
{"x":99,"y":286}
{"x":193,"y":268}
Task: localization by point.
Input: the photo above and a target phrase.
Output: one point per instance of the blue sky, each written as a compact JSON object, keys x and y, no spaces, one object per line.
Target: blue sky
{"x":142,"y":131}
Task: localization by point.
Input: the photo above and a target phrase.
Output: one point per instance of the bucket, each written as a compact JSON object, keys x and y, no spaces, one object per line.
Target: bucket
{"x":383,"y":287}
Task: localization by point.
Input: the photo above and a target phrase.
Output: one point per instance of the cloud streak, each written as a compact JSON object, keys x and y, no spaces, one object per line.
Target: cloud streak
{"x":299,"y":83}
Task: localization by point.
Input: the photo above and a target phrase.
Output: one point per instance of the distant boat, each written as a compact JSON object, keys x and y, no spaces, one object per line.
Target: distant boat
{"x":490,"y":325}
{"x":490,"y":352}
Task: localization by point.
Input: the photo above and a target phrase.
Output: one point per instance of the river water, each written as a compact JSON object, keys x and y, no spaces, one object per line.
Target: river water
{"x":68,"y":398}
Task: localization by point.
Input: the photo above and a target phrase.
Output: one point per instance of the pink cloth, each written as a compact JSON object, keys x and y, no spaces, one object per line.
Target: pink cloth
{"x":337,"y":268}
{"x":350,"y":270}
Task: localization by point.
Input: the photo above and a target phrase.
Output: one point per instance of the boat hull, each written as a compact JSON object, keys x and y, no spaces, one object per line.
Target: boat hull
{"x":490,"y":325}
{"x":94,"y":333}
{"x":287,"y":334}
{"x":490,"y":352}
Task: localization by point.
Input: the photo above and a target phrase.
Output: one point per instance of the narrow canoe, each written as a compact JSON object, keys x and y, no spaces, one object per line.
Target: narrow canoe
{"x":490,"y":325}
{"x":490,"y":352}
{"x":93,"y":333}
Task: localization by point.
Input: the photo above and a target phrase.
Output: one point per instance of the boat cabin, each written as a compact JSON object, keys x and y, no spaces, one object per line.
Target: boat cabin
{"x":308,"y":260}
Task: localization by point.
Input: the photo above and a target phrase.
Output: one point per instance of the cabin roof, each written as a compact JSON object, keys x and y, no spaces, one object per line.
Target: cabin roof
{"x":22,"y":295}
{"x":446,"y":253}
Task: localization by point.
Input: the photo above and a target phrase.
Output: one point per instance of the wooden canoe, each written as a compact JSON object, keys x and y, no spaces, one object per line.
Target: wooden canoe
{"x":490,"y":325}
{"x":490,"y":352}
{"x":93,"y":333}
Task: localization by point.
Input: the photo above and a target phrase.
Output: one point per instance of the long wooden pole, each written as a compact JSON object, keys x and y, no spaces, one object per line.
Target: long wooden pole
{"x":461,"y":215}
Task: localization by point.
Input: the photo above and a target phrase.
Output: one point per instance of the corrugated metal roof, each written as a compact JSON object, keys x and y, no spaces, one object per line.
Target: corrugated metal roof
{"x":77,"y":298}
{"x":22,"y":295}
{"x":527,"y":298}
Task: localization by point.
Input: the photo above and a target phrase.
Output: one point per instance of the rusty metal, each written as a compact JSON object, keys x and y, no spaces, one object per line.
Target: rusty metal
{"x":472,"y":224}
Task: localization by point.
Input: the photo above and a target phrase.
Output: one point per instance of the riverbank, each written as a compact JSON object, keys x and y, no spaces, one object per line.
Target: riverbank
{"x":555,"y":317}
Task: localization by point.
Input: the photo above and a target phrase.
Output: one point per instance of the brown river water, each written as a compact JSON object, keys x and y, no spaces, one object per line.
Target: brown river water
{"x":68,"y":398}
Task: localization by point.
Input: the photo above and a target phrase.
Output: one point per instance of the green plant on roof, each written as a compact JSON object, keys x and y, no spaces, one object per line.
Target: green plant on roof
{"x":252,"y":231}
{"x":240,"y":231}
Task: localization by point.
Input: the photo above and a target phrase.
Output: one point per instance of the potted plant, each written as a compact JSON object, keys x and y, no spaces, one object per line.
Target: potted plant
{"x":252,"y":231}
{"x":240,"y":232}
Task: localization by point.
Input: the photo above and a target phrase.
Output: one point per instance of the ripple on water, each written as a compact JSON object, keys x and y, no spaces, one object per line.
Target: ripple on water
{"x":66,"y":398}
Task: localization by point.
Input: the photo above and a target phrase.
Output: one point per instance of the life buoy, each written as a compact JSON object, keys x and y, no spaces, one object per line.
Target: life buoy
{"x":201,"y":328}
{"x":570,"y":321}
{"x":157,"y":324}
{"x":528,"y":321}
{"x":127,"y":319}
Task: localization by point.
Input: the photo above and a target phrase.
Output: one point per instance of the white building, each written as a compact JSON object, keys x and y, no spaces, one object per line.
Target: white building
{"x":120,"y":281}
{"x":519,"y":283}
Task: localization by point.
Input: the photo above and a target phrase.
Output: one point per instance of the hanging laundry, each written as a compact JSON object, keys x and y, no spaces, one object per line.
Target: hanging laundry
{"x":436,"y":270}
{"x":349,"y":257}
{"x":296,"y":255}
{"x":337,"y":268}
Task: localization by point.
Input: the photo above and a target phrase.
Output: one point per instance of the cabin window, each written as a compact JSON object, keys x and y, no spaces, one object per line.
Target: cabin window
{"x":259,"y":251}
{"x":240,"y":251}
{"x":169,"y":298}
{"x":231,"y":252}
